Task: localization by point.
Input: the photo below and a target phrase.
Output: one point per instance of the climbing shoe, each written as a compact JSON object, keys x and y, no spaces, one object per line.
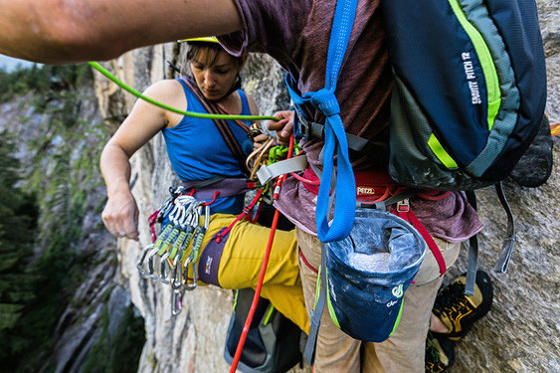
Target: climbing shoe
{"x":440,"y":353}
{"x":458,"y":311}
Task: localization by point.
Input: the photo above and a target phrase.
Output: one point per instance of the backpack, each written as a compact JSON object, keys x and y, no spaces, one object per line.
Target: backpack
{"x":469,"y":90}
{"x":469,"y":103}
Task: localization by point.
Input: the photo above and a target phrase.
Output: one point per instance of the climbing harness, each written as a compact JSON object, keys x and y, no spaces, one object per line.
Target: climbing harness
{"x":184,"y":217}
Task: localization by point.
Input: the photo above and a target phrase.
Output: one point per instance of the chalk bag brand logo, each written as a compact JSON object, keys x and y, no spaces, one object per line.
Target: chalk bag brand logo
{"x":398,"y":291}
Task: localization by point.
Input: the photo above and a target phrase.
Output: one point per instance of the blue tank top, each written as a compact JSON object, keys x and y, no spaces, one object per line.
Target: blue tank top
{"x":197,"y":150}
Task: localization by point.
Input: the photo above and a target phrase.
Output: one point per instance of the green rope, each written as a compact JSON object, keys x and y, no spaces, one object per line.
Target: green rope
{"x":131,"y":90}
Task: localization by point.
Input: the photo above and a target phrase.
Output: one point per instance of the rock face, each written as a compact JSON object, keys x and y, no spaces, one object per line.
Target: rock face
{"x":42,"y":141}
{"x":520,"y":334}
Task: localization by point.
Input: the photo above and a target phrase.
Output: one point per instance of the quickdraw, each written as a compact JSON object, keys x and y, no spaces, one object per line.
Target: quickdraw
{"x":184,"y":219}
{"x":168,"y":259}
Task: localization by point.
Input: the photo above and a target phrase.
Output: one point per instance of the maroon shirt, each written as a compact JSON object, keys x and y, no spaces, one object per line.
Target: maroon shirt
{"x":296,"y":33}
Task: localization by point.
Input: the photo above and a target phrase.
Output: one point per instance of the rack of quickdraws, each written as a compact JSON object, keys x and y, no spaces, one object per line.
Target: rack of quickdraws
{"x":184,"y":221}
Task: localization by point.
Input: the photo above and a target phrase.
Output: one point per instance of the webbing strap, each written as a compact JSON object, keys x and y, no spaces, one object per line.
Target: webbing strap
{"x":356,"y":143}
{"x":226,"y":187}
{"x":325,"y":101}
{"x":410,"y":217}
{"x":295,"y":164}
{"x":315,"y":322}
{"x":472,"y":262}
{"x":509,"y":241}
{"x":203,"y":183}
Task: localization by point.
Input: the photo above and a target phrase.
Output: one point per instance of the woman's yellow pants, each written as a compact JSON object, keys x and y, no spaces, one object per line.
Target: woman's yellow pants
{"x":235,"y":263}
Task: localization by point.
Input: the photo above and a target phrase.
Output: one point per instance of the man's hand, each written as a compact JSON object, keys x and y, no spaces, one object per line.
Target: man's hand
{"x":284,"y":127}
{"x":259,"y":140}
{"x":120,"y":215}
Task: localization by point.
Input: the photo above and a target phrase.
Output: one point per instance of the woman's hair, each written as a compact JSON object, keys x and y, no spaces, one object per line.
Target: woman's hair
{"x":206,"y":54}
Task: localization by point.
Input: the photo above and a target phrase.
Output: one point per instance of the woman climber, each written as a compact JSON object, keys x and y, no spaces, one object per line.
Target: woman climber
{"x":200,"y":151}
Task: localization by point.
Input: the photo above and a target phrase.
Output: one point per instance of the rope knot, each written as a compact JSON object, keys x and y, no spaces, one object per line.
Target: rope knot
{"x":325,"y":101}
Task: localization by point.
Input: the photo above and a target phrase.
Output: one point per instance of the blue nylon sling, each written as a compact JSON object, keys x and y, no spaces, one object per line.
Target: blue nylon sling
{"x":325,"y":101}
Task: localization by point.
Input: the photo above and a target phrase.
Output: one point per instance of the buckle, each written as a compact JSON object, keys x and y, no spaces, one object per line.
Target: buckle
{"x":403,"y":206}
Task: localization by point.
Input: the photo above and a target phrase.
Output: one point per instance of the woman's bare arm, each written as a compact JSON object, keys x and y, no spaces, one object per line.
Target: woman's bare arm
{"x":68,"y":31}
{"x":120,"y":215}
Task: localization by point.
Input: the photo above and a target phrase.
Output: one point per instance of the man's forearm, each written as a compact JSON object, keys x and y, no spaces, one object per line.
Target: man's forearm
{"x":68,"y":31}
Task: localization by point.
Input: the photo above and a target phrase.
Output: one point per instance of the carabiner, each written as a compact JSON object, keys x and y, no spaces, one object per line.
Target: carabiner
{"x":176,"y":301}
{"x":165,"y":209}
{"x":164,"y":268}
{"x":140,"y":265}
{"x":197,"y":244}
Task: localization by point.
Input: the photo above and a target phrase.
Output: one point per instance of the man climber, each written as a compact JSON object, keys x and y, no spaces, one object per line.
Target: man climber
{"x":296,"y":34}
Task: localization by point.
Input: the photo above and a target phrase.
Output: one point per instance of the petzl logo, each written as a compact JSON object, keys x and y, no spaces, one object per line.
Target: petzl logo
{"x":398,"y":291}
{"x":365,"y":190}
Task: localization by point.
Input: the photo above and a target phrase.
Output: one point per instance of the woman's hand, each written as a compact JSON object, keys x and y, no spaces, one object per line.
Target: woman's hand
{"x":120,"y":215}
{"x":284,"y":127}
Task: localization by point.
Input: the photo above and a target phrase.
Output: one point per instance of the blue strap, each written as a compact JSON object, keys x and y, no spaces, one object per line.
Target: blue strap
{"x":325,"y":101}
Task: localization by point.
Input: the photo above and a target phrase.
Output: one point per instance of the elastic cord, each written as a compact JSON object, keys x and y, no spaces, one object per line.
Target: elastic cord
{"x":131,"y":90}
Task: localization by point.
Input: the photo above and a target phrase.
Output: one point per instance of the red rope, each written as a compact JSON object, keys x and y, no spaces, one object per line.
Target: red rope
{"x":249,"y":319}
{"x":304,"y":180}
{"x":256,"y":297}
{"x":213,"y":199}
{"x":246,"y":210}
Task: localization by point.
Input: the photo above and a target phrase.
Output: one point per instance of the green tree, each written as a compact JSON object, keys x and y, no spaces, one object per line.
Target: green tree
{"x":47,"y":80}
{"x":18,"y":221}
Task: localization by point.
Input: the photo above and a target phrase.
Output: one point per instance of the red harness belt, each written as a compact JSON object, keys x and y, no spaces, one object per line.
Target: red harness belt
{"x":375,"y":185}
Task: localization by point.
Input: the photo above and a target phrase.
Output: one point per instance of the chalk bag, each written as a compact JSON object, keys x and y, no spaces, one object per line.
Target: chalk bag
{"x":368,"y":272}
